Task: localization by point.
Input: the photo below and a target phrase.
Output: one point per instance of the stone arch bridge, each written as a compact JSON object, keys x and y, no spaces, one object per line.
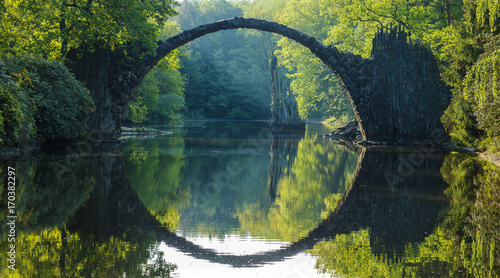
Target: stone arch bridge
{"x":397,"y":94}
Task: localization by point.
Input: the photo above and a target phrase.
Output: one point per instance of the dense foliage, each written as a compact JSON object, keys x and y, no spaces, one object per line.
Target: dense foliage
{"x":11,"y":116}
{"x":472,"y":62}
{"x":73,"y":32}
{"x":160,"y":96}
{"x":52,"y":29}
{"x":227,"y":73}
{"x":41,"y":100}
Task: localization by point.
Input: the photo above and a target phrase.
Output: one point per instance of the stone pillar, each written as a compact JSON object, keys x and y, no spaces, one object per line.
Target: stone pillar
{"x":284,"y":108}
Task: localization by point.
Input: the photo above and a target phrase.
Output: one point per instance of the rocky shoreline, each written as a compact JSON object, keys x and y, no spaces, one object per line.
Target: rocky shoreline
{"x":127,"y":131}
{"x":350,"y":135}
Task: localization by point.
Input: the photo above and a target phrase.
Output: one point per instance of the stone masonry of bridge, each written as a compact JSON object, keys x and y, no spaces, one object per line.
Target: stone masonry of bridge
{"x":397,"y":94}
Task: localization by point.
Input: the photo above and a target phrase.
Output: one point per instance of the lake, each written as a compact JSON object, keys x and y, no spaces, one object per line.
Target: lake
{"x":229,"y":199}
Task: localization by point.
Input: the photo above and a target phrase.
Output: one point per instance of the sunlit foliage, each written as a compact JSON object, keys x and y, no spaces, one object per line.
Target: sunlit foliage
{"x":318,"y":92}
{"x":51,"y":29}
{"x":482,"y":91}
{"x":160,"y":96}
{"x":472,"y":118}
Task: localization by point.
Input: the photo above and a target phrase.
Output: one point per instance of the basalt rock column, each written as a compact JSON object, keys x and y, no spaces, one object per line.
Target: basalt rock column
{"x":284,"y":107}
{"x":408,"y":96}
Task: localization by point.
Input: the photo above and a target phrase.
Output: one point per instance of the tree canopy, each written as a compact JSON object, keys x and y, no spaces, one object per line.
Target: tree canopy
{"x":51,"y":29}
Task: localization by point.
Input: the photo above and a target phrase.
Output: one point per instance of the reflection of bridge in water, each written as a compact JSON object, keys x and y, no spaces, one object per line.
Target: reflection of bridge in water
{"x":396,"y":212}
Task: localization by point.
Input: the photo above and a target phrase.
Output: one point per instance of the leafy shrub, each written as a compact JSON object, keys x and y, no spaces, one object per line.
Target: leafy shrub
{"x":63,"y":104}
{"x":460,"y":123}
{"x":10,"y":117}
{"x":14,"y":123}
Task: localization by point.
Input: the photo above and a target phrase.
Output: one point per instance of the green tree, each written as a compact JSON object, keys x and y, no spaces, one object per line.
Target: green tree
{"x":138,"y":112}
{"x":17,"y":123}
{"x":481,"y":90}
{"x":85,"y":34}
{"x":227,"y":73}
{"x":55,"y":28}
{"x":359,"y":20}
{"x":10,"y":118}
{"x":470,"y":118}
{"x":318,"y":92}
{"x":161,"y":93}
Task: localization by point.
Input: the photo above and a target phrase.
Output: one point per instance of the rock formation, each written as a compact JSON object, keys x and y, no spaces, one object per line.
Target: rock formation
{"x":284,"y":107}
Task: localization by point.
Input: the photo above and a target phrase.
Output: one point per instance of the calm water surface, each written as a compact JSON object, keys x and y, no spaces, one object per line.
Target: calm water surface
{"x":228,"y":199}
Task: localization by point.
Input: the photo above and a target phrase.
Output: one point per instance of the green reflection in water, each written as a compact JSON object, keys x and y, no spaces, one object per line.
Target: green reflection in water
{"x":475,"y":187}
{"x":154,"y":169}
{"x":217,"y":184}
{"x":61,"y":253}
{"x":221,"y":175}
{"x":465,"y":244}
{"x":46,"y":195}
{"x":49,"y":191}
{"x":309,"y":193}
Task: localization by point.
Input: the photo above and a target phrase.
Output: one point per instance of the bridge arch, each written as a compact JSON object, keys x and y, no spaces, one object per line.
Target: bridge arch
{"x":397,"y":95}
{"x":342,"y":64}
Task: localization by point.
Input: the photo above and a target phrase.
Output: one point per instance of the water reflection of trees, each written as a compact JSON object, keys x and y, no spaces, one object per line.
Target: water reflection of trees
{"x":54,"y":237}
{"x":46,"y":194}
{"x":87,"y":224}
{"x":475,"y":194}
{"x":283,"y":153}
{"x":62,"y":253}
{"x":221,"y":173}
{"x":155,"y":169}
{"x":463,"y":242}
{"x":306,"y":193}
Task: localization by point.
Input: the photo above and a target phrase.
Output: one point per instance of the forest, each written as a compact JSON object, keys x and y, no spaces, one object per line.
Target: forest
{"x":226,"y":75}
